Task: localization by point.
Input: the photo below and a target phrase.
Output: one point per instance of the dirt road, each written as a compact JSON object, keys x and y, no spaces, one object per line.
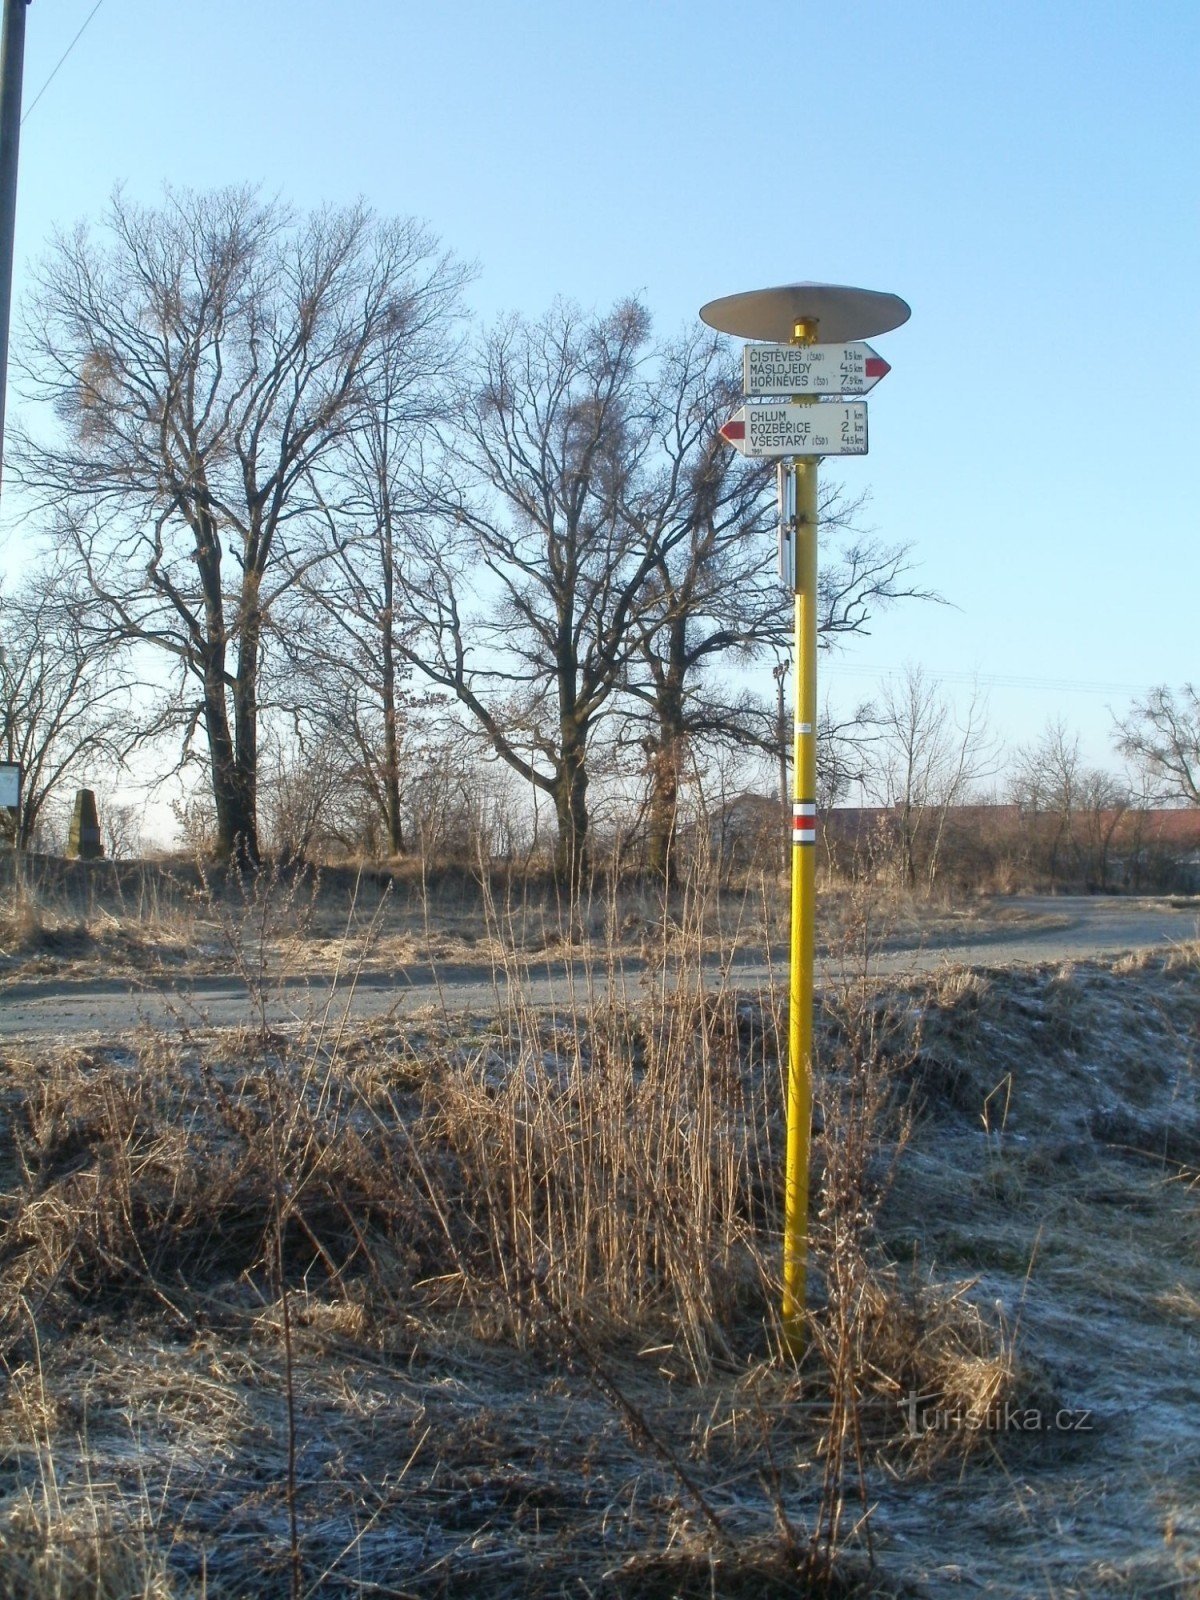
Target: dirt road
{"x":1054,"y":929}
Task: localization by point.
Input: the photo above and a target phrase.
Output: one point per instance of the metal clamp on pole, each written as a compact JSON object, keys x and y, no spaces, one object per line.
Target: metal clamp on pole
{"x":786,"y":490}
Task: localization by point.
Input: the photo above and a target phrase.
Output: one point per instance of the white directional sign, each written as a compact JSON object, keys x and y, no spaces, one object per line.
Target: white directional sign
{"x":832,"y":428}
{"x":10,"y":785}
{"x":811,"y":368}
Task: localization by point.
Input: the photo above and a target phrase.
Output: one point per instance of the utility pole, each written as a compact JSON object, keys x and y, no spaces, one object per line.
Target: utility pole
{"x":12,"y":64}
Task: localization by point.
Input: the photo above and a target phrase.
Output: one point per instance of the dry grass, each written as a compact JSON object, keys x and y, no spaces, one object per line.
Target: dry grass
{"x":77,"y":1557}
{"x":486,"y":1305}
{"x":152,"y":921}
{"x":147,"y":924}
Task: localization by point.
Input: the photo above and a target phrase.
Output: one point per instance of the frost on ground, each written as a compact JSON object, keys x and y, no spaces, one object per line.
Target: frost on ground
{"x":486,"y":1306}
{"x":75,"y":921}
{"x":1058,"y":1164}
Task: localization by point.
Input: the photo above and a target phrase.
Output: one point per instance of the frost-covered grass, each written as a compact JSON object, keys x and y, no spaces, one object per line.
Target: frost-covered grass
{"x":485,"y":1305}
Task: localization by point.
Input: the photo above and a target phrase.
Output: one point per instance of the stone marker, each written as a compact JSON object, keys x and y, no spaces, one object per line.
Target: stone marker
{"x":84,"y":842}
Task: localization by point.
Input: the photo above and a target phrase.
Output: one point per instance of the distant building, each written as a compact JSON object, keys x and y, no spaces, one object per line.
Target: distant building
{"x":973,"y":847}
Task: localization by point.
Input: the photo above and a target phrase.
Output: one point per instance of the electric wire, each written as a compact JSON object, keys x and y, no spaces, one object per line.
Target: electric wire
{"x":61,"y":59}
{"x":992,"y":680}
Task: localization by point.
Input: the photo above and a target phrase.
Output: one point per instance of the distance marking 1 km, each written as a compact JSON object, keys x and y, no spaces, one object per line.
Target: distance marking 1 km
{"x":770,"y":369}
{"x":838,"y":428}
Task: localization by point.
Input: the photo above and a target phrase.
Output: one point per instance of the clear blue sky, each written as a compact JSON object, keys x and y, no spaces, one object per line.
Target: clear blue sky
{"x":1023,"y":173}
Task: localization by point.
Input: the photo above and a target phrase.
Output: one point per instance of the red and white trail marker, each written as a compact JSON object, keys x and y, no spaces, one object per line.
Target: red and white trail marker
{"x":833,"y":428}
{"x":784,"y":369}
{"x":804,"y":822}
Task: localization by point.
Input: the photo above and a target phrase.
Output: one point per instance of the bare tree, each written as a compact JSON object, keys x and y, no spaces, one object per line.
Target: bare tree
{"x":529,"y":601}
{"x":712,"y":618}
{"x":350,"y":717}
{"x":303,"y":795}
{"x":121,"y":821}
{"x":1162,"y":734}
{"x":349,"y":627}
{"x":206,"y":359}
{"x":843,"y":755}
{"x":1047,"y":783}
{"x":1071,"y":811}
{"x":1105,"y":801}
{"x":602,"y":552}
{"x":706,"y":518}
{"x":925,"y":758}
{"x":700,"y":515}
{"x":60,"y":697}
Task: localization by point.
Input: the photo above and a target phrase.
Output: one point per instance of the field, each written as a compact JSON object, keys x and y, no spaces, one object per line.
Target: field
{"x":480,"y":1299}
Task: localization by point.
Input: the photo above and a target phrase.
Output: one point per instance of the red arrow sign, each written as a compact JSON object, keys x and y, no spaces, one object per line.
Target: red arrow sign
{"x":828,"y":428}
{"x":802,"y":369}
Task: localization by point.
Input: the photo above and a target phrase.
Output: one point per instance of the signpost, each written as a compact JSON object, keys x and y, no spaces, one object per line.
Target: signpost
{"x":811,"y":369}
{"x":10,"y":785}
{"x":794,"y":316}
{"x":10,"y":801}
{"x":836,"y":428}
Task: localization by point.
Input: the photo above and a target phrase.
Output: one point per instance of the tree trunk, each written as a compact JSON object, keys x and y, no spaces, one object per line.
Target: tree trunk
{"x":233,"y":758}
{"x":1054,"y":851}
{"x":1106,"y":839}
{"x":570,"y":808}
{"x":245,"y":731}
{"x":26,"y":822}
{"x":226,"y":798}
{"x":667,"y":754}
{"x":391,"y":738}
{"x":935,"y":848}
{"x":908,"y":847}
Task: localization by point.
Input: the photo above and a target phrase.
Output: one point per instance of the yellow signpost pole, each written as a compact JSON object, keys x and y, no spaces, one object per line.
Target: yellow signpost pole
{"x":800,"y":985}
{"x":775,"y":318}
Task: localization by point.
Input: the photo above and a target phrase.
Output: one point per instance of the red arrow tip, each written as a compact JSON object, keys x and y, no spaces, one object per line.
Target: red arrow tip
{"x":733,"y":430}
{"x":877,"y":367}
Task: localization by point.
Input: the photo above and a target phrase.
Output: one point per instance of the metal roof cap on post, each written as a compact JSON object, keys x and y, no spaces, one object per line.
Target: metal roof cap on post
{"x":841,"y":313}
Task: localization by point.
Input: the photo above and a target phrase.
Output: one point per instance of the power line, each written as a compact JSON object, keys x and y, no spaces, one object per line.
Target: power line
{"x":60,"y":61}
{"x":992,"y":680}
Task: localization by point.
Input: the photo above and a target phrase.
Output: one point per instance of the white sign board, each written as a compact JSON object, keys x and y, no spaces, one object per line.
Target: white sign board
{"x":10,"y":785}
{"x":838,"y":428}
{"x":811,"y":368}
